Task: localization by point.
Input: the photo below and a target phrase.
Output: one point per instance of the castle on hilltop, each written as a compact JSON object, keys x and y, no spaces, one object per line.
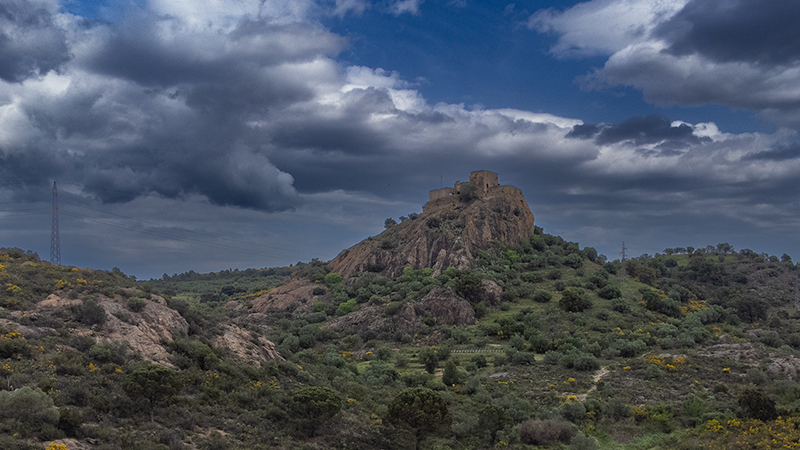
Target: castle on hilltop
{"x":483,"y":180}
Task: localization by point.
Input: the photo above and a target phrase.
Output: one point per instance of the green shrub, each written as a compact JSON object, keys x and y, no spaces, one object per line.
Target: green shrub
{"x":32,"y":409}
{"x":608,"y":292}
{"x":545,"y":432}
{"x":136,"y":304}
{"x":574,"y":260}
{"x":479,"y":361}
{"x":574,"y":300}
{"x":332,"y":279}
{"x":586,"y":362}
{"x":347,"y":307}
{"x":91,"y":313}
{"x":666,"y":306}
{"x":467,"y":192}
{"x":756,"y":404}
{"x":621,"y":306}
{"x":542,"y":297}
{"x":380,"y":373}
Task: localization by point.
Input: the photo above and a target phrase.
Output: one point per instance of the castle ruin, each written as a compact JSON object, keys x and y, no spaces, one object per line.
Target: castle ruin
{"x":483,"y":180}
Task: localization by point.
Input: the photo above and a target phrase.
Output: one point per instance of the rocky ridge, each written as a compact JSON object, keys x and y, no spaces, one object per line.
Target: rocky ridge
{"x":455,"y":225}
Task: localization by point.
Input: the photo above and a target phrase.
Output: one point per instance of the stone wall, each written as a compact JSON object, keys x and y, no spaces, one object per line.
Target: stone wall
{"x":481,"y":179}
{"x":436,"y":194}
{"x":484,"y":180}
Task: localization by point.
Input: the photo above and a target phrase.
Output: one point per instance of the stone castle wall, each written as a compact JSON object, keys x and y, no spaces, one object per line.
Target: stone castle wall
{"x":484,"y":180}
{"x":481,"y":179}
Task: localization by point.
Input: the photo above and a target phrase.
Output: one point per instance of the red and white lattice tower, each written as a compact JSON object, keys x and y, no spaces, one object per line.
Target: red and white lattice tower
{"x":55,"y":239}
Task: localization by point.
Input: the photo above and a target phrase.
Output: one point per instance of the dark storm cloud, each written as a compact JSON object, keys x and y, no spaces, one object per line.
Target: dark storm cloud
{"x":30,"y":44}
{"x":640,"y":131}
{"x":765,"y":32}
{"x":645,"y":130}
{"x":157,"y":105}
{"x":781,"y":153}
{"x":29,"y":174}
{"x":583,"y":131}
{"x":136,"y":51}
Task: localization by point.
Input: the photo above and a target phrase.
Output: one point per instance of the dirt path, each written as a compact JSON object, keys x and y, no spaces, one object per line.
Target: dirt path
{"x":597,"y":377}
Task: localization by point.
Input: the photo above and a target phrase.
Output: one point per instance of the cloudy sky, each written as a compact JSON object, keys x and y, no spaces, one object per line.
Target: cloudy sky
{"x":216,"y":134}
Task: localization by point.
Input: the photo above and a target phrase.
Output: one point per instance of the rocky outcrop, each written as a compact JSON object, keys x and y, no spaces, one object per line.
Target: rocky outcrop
{"x":56,"y":301}
{"x":448,"y":308}
{"x":374,"y":318}
{"x":297,"y":294}
{"x":492,"y":292}
{"x":441,"y":303}
{"x":450,"y":232}
{"x":254,"y":349}
{"x":143,"y":331}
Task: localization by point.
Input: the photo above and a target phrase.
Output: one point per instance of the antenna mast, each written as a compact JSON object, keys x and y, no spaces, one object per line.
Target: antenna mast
{"x":55,"y":239}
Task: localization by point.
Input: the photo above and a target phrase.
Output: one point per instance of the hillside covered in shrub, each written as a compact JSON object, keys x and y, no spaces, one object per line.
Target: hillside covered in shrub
{"x":541,"y":345}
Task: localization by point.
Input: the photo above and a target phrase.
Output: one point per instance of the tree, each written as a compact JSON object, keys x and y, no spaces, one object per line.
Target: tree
{"x":153,"y":384}
{"x":420,"y":410}
{"x":389,"y":223}
{"x":492,"y":418}
{"x":428,"y":358}
{"x":450,"y":376}
{"x":315,"y":405}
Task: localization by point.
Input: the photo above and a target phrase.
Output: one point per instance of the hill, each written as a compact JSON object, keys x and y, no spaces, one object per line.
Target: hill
{"x":530,"y":343}
{"x":454,"y":227}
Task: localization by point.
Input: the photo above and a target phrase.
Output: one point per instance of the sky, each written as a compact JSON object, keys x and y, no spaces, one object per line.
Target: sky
{"x":208,"y":135}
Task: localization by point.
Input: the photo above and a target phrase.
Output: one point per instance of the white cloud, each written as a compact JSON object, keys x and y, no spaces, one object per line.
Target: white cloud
{"x":603,"y":26}
{"x":343,"y":7}
{"x":650,"y":49}
{"x":406,"y":6}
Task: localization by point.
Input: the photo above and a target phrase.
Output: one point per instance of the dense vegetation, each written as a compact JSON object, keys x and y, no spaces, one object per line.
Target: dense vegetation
{"x":692,"y":348}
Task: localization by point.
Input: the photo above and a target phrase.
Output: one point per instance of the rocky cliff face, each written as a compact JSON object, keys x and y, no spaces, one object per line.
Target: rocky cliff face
{"x":449,"y":233}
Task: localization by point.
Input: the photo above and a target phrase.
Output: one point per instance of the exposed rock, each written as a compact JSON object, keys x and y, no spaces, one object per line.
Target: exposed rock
{"x":143,"y":331}
{"x":735,"y":352}
{"x":73,"y":444}
{"x":297,"y":294}
{"x":450,"y":232}
{"x":55,"y":301}
{"x":25,"y":330}
{"x":253,"y":350}
{"x":448,"y":307}
{"x":492,"y":292}
{"x":372,"y":318}
{"x":788,"y":366}
{"x":233,"y":306}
